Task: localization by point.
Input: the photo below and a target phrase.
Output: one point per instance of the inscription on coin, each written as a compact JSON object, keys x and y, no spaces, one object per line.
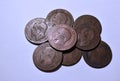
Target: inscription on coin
{"x":46,"y":58}
{"x":62,"y":37}
{"x":35,"y":30}
{"x":99,"y":57}
{"x":60,"y":16}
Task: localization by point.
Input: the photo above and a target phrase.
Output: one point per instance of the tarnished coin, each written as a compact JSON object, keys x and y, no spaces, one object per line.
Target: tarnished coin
{"x":71,"y":57}
{"x":99,"y":57}
{"x":90,"y":21}
{"x":88,"y":29}
{"x":88,"y":38}
{"x":60,"y":16}
{"x":35,"y":30}
{"x":62,"y":37}
{"x":46,"y":58}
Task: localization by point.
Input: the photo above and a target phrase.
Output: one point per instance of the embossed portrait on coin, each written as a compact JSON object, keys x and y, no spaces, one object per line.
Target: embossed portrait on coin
{"x":38,"y":31}
{"x":59,"y":18}
{"x":47,"y":56}
{"x":61,"y":36}
{"x":85,"y":36}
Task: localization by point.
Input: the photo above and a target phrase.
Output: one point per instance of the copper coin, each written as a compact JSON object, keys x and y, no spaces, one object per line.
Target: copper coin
{"x":88,"y":29}
{"x":88,"y":38}
{"x":60,"y":16}
{"x":90,"y":20}
{"x":46,"y":58}
{"x":62,"y":37}
{"x":71,"y":57}
{"x":99,"y":57}
{"x":35,"y":30}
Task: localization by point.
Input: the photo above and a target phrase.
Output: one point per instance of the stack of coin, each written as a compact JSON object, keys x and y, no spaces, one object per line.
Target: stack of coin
{"x":97,"y":53}
{"x":63,"y":41}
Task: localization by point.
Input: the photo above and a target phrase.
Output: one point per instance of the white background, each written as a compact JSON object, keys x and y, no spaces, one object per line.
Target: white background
{"x":16,"y":52}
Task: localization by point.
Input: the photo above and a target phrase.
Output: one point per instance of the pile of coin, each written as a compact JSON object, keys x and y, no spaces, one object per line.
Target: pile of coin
{"x":63,"y":41}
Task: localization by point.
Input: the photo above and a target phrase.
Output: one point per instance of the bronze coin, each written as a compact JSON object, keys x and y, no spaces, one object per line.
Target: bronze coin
{"x":60,"y":16}
{"x":99,"y":57}
{"x":90,"y":20}
{"x":35,"y":30}
{"x":88,"y":37}
{"x":71,"y":57}
{"x":46,"y":58}
{"x":62,"y":37}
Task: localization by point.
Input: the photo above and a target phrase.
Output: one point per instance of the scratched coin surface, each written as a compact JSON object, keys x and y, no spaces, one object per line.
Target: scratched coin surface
{"x":90,"y":20}
{"x":35,"y":30}
{"x":88,"y":37}
{"x":60,"y":16}
{"x":99,"y":57}
{"x":62,"y":37}
{"x":71,"y":57}
{"x":46,"y":58}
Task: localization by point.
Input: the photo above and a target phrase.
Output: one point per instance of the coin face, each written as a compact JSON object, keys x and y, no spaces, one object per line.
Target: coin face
{"x":60,"y":16}
{"x":46,"y":58}
{"x":99,"y":57}
{"x":62,"y":37}
{"x":88,"y":38}
{"x":71,"y":57}
{"x":35,"y":30}
{"x":89,"y":20}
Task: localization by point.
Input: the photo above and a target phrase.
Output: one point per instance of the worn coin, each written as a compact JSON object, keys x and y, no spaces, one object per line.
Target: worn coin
{"x":46,"y":58}
{"x":62,"y":37}
{"x":71,"y":56}
{"x":99,"y":57}
{"x":35,"y":30}
{"x":90,"y":20}
{"x":60,"y":16}
{"x":88,"y":38}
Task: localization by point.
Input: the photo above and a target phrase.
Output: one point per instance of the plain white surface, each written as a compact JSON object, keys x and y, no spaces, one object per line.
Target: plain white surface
{"x":16,"y":62}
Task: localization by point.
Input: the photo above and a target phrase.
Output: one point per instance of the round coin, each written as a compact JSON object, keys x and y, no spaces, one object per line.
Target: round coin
{"x":99,"y":57}
{"x":60,"y":16}
{"x":46,"y":58}
{"x":62,"y":37}
{"x":90,"y":20}
{"x":88,"y":38}
{"x":35,"y":30}
{"x":71,"y":57}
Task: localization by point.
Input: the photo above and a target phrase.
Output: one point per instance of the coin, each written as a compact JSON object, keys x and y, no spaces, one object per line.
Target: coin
{"x":62,"y":37}
{"x":35,"y":30}
{"x":90,"y":20}
{"x":88,"y":38}
{"x":88,"y":29}
{"x":99,"y":57}
{"x":46,"y":58}
{"x":71,"y":57}
{"x":60,"y":16}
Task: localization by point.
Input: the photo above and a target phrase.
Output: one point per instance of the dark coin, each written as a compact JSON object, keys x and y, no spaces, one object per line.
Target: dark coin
{"x":62,"y":37}
{"x":60,"y":16}
{"x":46,"y":58}
{"x":89,"y":20}
{"x":88,"y":29}
{"x":88,"y":37}
{"x":99,"y":57}
{"x":35,"y":30}
{"x":71,"y":57}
